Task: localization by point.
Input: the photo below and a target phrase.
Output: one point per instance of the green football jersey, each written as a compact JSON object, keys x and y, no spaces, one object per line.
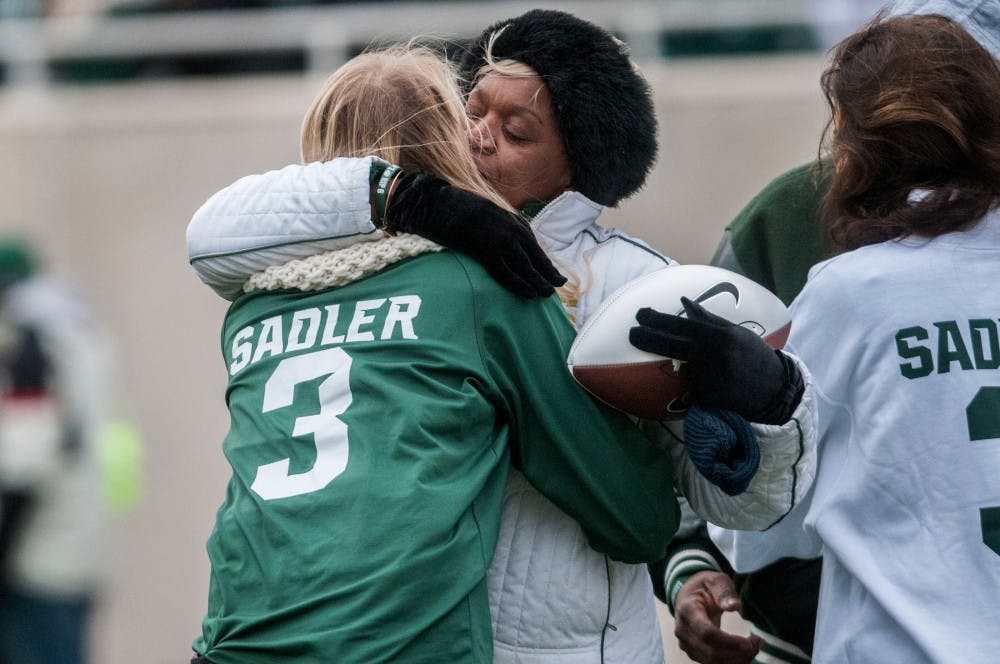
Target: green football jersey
{"x":371,"y":430}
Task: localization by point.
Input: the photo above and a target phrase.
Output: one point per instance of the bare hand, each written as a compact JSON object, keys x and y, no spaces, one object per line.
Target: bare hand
{"x":698,"y":611}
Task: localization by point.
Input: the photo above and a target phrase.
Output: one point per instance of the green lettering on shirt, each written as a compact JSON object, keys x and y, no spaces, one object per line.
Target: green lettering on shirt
{"x":925,"y":364}
{"x":951,"y":347}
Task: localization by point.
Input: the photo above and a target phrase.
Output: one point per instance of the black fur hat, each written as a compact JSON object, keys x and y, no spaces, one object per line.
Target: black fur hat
{"x":603,"y":106}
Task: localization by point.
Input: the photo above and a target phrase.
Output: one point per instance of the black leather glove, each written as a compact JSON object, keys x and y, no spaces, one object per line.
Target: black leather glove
{"x":496,"y":239}
{"x":729,"y":367}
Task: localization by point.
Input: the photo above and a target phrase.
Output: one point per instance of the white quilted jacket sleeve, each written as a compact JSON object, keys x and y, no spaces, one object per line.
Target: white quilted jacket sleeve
{"x":786,"y":472}
{"x":274,"y":217}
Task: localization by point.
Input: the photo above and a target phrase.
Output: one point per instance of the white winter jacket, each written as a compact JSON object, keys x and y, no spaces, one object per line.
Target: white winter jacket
{"x":554,"y":599}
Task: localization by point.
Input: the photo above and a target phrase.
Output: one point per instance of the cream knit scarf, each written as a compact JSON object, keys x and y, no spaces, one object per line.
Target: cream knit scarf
{"x":340,"y":267}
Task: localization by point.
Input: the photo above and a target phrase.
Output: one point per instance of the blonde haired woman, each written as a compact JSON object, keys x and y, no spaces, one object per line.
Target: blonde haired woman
{"x":377,"y":396}
{"x":401,"y":105}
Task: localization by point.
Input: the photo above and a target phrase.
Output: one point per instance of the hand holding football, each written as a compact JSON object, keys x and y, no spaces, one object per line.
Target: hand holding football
{"x":649,"y":385}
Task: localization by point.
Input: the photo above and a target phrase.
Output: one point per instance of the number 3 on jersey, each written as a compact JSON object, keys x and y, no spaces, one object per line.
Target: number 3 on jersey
{"x":983,"y":415}
{"x":329,"y":432}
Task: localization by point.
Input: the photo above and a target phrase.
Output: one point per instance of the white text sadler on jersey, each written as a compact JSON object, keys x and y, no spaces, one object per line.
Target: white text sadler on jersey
{"x":315,"y":327}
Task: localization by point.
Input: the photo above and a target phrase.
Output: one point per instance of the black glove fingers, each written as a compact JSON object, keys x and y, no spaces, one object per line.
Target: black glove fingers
{"x":652,"y":317}
{"x":541,"y":262}
{"x":511,"y":280}
{"x":696,"y":312}
{"x":527,"y":269}
{"x":657,"y":341}
{"x":679,"y":325}
{"x":524,"y":256}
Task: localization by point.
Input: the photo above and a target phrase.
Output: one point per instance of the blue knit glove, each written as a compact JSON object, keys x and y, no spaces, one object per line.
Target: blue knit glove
{"x":721,"y":445}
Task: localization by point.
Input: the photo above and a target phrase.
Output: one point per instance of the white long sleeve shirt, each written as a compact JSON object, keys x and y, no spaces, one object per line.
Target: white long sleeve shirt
{"x":902,"y":341}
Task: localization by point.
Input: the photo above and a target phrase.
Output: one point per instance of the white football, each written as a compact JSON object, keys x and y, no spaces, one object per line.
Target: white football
{"x":648,"y":385}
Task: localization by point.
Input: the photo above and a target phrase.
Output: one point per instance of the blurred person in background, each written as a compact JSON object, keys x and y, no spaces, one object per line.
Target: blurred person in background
{"x":562,"y":123}
{"x":65,"y":461}
{"x":775,"y":240}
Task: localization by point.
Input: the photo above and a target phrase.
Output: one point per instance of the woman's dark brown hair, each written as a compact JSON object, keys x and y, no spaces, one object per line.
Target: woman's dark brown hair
{"x":916,"y":131}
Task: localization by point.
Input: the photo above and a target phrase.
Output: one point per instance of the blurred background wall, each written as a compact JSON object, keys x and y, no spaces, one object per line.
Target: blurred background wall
{"x":104,"y":175}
